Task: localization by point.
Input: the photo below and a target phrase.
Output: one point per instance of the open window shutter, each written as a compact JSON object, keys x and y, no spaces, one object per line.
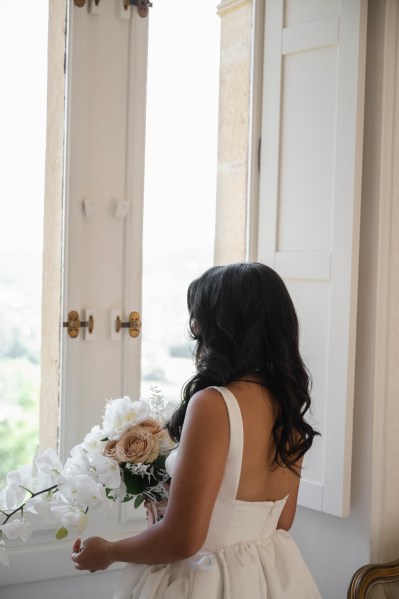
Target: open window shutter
{"x":309,"y":210}
{"x":107,"y":65}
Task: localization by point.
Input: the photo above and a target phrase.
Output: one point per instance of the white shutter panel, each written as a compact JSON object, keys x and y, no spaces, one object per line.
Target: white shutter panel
{"x":107,"y":66}
{"x":309,"y":211}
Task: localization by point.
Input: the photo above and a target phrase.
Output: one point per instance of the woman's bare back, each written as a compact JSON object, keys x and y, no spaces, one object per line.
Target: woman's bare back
{"x":261,"y":479}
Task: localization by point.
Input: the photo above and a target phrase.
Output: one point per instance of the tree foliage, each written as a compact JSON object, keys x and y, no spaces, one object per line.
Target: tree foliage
{"x":19,"y":413}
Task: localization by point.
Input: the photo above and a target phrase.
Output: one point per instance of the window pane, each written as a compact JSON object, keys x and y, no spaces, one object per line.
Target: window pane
{"x":23,"y":52}
{"x":180,"y":182}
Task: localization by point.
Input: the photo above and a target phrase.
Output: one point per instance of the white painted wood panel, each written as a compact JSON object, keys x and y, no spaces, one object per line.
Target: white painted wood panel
{"x":105,"y":165}
{"x":314,"y":34}
{"x":309,"y":210}
{"x":302,"y":11}
{"x":304,"y":265}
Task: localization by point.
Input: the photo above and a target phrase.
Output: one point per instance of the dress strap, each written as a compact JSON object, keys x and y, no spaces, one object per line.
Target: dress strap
{"x":232,"y":470}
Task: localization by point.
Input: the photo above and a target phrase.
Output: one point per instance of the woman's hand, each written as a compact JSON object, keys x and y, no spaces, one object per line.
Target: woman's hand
{"x":91,"y":554}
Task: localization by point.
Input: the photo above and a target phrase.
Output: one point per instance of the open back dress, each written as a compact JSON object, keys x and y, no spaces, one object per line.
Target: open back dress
{"x":244,"y":556}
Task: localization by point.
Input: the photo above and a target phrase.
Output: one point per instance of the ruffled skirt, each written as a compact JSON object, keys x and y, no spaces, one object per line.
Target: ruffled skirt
{"x":273,"y":569}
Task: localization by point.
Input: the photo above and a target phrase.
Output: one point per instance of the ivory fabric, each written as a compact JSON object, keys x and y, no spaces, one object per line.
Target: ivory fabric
{"x":244,"y":555}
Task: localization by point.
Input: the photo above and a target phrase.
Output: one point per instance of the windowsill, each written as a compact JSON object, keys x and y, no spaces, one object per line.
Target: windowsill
{"x":27,"y":559}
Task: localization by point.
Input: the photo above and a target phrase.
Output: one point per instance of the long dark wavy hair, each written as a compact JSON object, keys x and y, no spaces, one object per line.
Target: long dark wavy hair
{"x":244,"y":323}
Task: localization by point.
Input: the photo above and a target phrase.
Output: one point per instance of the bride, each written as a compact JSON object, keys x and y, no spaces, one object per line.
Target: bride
{"x":241,"y":436}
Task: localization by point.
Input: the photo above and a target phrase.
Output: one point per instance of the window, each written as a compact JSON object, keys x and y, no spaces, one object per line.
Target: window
{"x":22,"y":150}
{"x":104,"y":201}
{"x":180,"y":182}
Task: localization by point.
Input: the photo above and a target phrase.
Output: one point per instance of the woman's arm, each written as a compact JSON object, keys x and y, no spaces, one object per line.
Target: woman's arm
{"x":288,"y":514}
{"x":196,"y":481}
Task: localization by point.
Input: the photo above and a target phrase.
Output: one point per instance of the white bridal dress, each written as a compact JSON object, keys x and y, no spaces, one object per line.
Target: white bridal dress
{"x":244,"y":556}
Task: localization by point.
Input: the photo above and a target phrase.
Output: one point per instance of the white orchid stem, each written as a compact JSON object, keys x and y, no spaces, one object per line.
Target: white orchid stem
{"x":21,"y":507}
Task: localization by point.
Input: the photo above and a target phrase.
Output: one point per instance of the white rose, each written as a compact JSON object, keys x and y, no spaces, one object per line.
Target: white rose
{"x":94,"y":441}
{"x":122,"y":413}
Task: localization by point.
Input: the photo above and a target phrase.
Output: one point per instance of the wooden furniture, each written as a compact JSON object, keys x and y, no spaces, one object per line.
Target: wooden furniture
{"x":367,"y":579}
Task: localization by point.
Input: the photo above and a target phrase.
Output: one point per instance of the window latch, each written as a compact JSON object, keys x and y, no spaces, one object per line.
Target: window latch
{"x":133,"y":324}
{"x":74,"y":324}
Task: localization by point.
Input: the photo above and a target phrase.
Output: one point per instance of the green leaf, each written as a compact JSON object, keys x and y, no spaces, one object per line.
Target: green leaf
{"x":135,"y":484}
{"x":128,"y":498}
{"x":160,"y":462}
{"x":108,"y":493}
{"x":61,"y":533}
{"x":139,"y":500}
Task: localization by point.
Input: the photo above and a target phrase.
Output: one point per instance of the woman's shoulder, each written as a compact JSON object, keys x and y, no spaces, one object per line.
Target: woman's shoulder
{"x":207,"y":414}
{"x":207,"y":402}
{"x":205,"y":434}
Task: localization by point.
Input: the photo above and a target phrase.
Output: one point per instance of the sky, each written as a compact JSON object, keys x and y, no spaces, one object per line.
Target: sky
{"x":180,"y":179}
{"x":182,"y":111}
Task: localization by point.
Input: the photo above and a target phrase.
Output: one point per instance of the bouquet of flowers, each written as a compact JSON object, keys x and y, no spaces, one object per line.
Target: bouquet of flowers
{"x":122,"y":460}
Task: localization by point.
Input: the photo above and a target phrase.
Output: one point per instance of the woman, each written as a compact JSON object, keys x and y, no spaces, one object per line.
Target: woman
{"x":235,"y":476}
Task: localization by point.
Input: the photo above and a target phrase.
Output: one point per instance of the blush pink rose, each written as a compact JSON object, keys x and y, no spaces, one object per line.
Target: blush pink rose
{"x":109,"y":449}
{"x":139,"y":444}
